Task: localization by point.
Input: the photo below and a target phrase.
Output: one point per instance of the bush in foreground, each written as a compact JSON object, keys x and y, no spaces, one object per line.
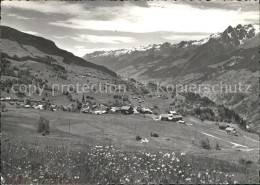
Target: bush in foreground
{"x":205,"y":144}
{"x":43,"y":125}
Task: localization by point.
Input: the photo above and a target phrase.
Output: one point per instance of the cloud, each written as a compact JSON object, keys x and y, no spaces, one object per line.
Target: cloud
{"x":60,"y":37}
{"x":32,"y":33}
{"x":183,"y":37}
{"x":20,"y":17}
{"x":148,"y":17}
{"x":81,"y":51}
{"x":163,"y":16}
{"x":107,"y":24}
{"x":46,"y":7}
{"x":104,"y":39}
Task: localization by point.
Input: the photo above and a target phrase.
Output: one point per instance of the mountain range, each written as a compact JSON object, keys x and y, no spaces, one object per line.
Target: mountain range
{"x":229,"y":57}
{"x":167,"y":62}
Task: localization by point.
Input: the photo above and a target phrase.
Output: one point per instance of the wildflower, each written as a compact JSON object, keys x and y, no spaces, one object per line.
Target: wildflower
{"x":183,"y":154}
{"x":167,"y":155}
{"x":2,"y":180}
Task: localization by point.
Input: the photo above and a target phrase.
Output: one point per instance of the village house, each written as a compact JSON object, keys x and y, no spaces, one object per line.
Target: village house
{"x":166,"y":117}
{"x":172,"y":112}
{"x":176,"y":117}
{"x":115,"y":109}
{"x":127,"y":110}
{"x":145,"y":110}
{"x":85,"y":110}
{"x":170,"y":117}
{"x":230,"y":129}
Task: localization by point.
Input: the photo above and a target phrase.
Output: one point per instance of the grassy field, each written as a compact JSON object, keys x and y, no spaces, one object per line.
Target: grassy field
{"x":81,"y":132}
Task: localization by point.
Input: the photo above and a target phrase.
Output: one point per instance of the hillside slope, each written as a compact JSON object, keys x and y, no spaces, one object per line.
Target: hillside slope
{"x":47,"y":47}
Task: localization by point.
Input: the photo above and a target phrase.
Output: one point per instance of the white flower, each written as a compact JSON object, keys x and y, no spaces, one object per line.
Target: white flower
{"x":2,"y":180}
{"x":167,"y":155}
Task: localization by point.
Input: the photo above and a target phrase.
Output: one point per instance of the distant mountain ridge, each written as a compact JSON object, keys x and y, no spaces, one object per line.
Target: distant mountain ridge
{"x":48,"y":47}
{"x":231,"y":56}
{"x":150,"y":61}
{"x":235,"y":35}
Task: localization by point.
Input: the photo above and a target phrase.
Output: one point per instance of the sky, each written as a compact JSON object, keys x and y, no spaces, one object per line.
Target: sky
{"x":86,"y":26}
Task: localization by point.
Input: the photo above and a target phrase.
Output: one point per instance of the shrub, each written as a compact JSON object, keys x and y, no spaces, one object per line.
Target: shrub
{"x":154,"y":135}
{"x":3,"y":105}
{"x":138,"y":138}
{"x":43,"y":126}
{"x":205,"y":144}
{"x":217,"y":147}
{"x":244,"y":161}
{"x":222,"y":127}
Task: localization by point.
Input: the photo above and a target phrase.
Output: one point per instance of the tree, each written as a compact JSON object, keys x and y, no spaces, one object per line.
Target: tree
{"x":217,"y":147}
{"x":43,"y":125}
{"x":3,"y":105}
{"x":20,"y":94}
{"x":83,"y":99}
{"x":197,"y":111}
{"x":27,"y":102}
{"x":205,"y":144}
{"x":44,"y":106}
{"x":79,"y":106}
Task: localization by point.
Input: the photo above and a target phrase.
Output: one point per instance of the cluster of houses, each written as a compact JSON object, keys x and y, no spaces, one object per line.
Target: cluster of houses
{"x":86,"y":108}
{"x":6,"y":99}
{"x":31,"y":103}
{"x":172,"y":116}
{"x":102,"y":109}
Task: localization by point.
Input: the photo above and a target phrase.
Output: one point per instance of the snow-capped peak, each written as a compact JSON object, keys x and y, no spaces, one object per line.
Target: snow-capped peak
{"x":234,"y":35}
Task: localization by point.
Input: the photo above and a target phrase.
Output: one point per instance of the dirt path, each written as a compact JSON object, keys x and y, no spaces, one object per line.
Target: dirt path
{"x":235,"y":144}
{"x":251,"y":139}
